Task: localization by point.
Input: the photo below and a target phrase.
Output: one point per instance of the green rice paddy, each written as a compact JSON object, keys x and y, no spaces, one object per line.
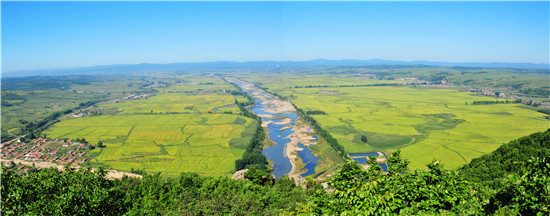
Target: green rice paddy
{"x":207,"y":144}
{"x":179,"y":103}
{"x":424,"y":123}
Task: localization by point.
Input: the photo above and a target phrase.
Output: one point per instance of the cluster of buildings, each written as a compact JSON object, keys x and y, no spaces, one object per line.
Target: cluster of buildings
{"x":416,"y":81}
{"x":201,"y":92}
{"x":327,"y":92}
{"x":156,"y":85}
{"x":128,"y":98}
{"x":408,"y":79}
{"x":92,"y":92}
{"x":491,"y":93}
{"x":45,"y":150}
{"x":440,"y":85}
{"x":84,"y":112}
{"x":365,"y":76}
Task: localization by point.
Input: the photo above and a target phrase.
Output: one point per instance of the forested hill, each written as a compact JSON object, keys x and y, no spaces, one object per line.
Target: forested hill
{"x":127,"y":69}
{"x":491,"y":169}
{"x":515,"y":179}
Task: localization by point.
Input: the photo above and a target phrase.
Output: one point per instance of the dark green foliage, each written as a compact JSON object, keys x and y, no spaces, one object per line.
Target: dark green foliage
{"x":316,"y":112}
{"x":536,"y":91}
{"x":397,"y":164}
{"x":431,"y":191}
{"x":191,"y":194}
{"x":100,"y":144}
{"x":544,"y":110}
{"x":83,"y":140}
{"x":35,"y":83}
{"x":69,"y":193}
{"x":12,"y":97}
{"x":332,"y":142}
{"x":248,"y":159}
{"x":6,"y":136}
{"x":46,"y":82}
{"x":496,"y":102}
{"x":261,"y":177}
{"x":528,"y":191}
{"x":85,"y":193}
{"x":436,"y":78}
{"x":256,"y":142}
{"x":491,"y":169}
{"x":138,"y":171}
{"x":253,"y":156}
{"x":364,"y":138}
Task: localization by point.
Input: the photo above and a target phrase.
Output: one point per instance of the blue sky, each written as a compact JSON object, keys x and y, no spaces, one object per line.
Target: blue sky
{"x":47,"y":35}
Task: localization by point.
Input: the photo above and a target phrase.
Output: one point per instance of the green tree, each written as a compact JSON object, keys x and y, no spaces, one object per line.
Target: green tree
{"x":100,"y":144}
{"x":396,"y":164}
{"x":364,"y":138}
{"x":50,"y":192}
{"x":261,"y":177}
{"x":431,"y":191}
{"x":527,"y":192}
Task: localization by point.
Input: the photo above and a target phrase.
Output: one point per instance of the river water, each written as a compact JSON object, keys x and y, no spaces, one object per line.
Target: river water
{"x":279,"y":128}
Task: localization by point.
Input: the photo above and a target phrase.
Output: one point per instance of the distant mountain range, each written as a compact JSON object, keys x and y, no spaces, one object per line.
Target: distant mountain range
{"x":146,"y":67}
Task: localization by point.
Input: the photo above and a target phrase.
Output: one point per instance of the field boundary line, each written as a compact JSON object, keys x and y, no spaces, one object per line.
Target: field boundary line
{"x":128,"y":136}
{"x":463,"y":158}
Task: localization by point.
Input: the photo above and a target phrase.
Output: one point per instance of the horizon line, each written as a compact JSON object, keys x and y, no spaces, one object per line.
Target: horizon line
{"x":246,"y":61}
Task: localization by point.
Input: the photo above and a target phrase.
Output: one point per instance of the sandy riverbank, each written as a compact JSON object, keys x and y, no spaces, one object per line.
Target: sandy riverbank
{"x":301,"y":134}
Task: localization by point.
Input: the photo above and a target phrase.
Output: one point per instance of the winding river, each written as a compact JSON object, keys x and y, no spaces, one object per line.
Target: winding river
{"x":292,"y":140}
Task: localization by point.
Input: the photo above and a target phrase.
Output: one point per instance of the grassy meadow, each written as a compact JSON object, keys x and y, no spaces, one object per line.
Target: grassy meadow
{"x":292,"y":80}
{"x":38,"y":97}
{"x":38,"y":104}
{"x":170,"y":143}
{"x":179,"y":102}
{"x":147,"y":134}
{"x":424,"y":123}
{"x":194,"y":82}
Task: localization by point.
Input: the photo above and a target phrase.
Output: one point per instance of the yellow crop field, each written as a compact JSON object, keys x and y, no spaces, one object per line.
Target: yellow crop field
{"x":180,"y":103}
{"x":170,"y":143}
{"x":424,"y":123}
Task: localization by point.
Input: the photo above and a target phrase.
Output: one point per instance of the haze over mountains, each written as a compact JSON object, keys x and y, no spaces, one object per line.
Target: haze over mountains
{"x":120,"y":69}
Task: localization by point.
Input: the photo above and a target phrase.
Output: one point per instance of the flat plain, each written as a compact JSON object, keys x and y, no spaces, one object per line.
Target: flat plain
{"x":424,"y":123}
{"x":34,"y":98}
{"x":180,"y":128}
{"x":179,"y":103}
{"x":197,"y":82}
{"x":207,"y":144}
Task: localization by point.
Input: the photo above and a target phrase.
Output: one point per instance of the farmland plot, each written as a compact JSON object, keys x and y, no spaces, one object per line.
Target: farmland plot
{"x":424,"y":123}
{"x":179,"y":103}
{"x":168,"y":143}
